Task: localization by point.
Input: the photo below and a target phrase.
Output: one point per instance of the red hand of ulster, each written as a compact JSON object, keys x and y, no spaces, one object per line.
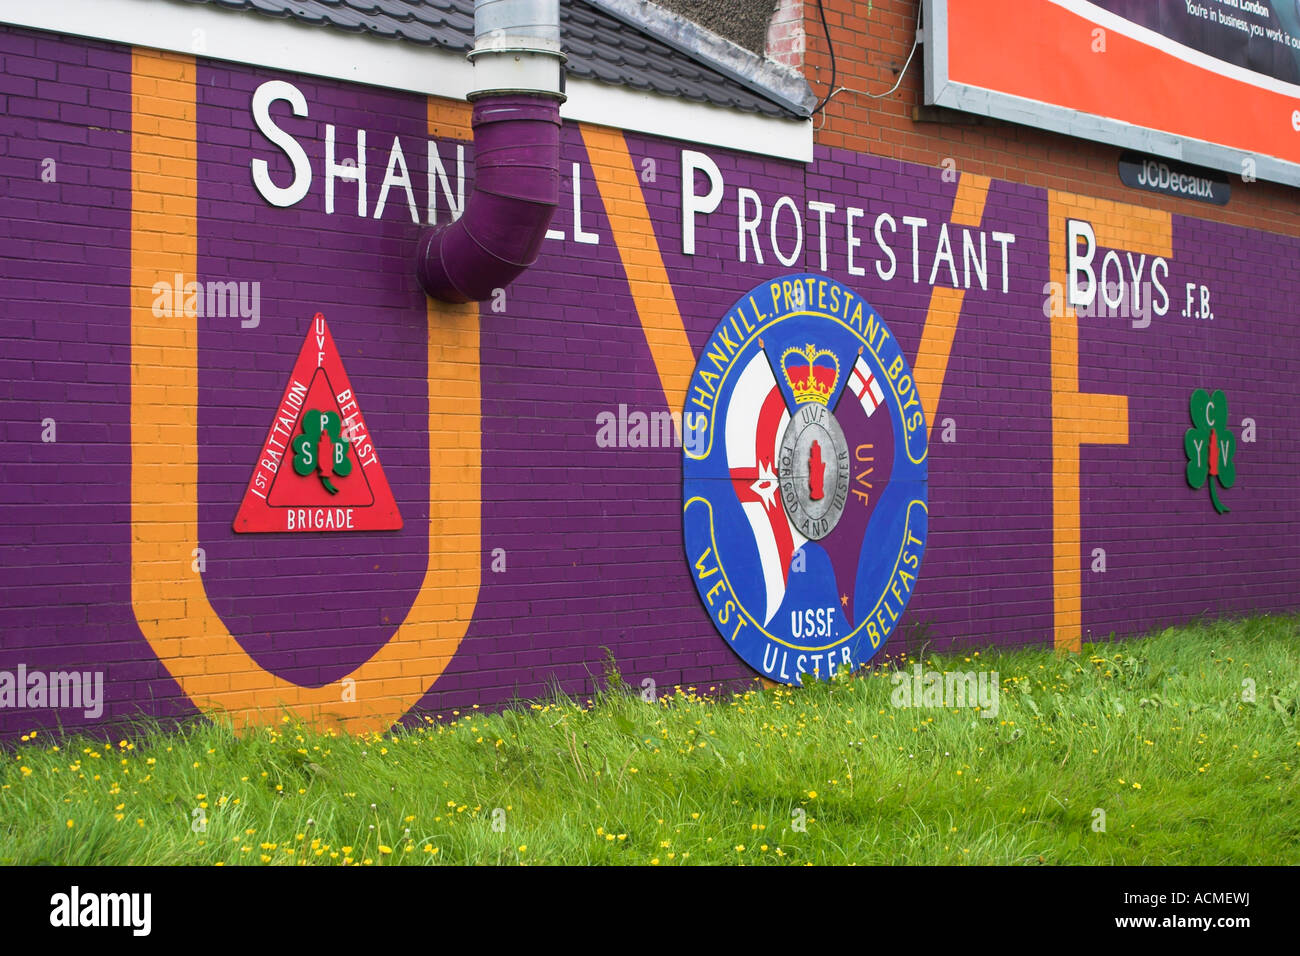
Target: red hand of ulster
{"x":816,"y":471}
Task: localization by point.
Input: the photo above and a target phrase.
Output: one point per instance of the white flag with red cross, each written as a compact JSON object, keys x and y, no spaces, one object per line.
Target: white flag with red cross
{"x":756,"y":420}
{"x":863,"y":384}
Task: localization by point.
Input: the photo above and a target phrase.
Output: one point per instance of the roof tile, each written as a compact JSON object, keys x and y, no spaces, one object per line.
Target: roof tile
{"x":598,"y":46}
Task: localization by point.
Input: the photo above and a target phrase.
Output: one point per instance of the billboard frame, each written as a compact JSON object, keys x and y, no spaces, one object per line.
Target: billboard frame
{"x":942,"y":90}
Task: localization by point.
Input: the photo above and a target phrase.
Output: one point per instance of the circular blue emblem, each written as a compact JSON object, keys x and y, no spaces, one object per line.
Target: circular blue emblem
{"x":804,"y":478}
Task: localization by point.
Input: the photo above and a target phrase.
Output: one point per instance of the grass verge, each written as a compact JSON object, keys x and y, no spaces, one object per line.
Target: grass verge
{"x":1180,"y":748}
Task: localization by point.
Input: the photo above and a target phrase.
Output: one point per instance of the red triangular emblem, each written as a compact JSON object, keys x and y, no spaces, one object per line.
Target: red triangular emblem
{"x":318,"y":469}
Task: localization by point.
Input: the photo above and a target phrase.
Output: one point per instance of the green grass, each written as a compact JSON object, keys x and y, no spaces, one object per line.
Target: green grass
{"x":1155,"y":733}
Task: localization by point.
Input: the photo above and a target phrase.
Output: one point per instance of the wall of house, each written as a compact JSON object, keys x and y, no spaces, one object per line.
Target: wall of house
{"x":532,"y":549}
{"x":743,"y":22}
{"x":872,"y":42}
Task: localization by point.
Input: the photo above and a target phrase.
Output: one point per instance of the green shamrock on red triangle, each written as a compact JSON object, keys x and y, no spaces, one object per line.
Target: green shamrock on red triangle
{"x":321,"y":448}
{"x":1210,"y":446}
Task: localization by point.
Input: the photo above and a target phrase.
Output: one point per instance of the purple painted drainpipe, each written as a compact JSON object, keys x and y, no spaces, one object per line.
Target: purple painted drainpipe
{"x":518,"y":70}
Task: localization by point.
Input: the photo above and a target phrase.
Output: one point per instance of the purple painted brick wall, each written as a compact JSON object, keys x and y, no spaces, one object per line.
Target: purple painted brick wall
{"x":592,"y":535}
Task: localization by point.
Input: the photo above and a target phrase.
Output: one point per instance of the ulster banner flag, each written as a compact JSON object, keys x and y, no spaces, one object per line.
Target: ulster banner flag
{"x":756,"y":419}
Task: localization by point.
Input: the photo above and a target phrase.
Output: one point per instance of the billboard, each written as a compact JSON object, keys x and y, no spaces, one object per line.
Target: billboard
{"x":1210,"y":82}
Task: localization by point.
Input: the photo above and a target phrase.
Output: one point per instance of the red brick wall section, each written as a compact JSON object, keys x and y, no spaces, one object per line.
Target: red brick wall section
{"x":785,"y":34}
{"x":872,"y":40}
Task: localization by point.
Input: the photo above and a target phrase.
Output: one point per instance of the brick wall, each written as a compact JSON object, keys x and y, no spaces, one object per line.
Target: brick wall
{"x":872,"y":42}
{"x":531,"y":553}
{"x":786,"y":40}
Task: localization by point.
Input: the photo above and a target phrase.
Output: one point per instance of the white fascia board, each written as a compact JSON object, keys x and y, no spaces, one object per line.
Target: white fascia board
{"x":207,"y":31}
{"x":633,"y":110}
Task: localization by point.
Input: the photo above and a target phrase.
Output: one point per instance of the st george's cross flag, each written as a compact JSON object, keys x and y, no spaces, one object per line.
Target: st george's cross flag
{"x":863,"y":384}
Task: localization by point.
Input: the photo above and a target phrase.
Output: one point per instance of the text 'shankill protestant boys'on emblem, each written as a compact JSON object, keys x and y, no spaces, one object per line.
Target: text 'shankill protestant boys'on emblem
{"x":804,"y":489}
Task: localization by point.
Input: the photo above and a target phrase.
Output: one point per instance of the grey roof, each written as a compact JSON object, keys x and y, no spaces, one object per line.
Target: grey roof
{"x":599,"y":46}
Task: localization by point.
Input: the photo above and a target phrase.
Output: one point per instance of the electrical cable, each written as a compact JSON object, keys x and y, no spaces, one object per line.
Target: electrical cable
{"x":874,"y":96}
{"x":826,"y":30}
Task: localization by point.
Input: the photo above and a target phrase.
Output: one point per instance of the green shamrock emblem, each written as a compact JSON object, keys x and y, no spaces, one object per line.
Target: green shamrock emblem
{"x":321,"y":448}
{"x":1210,"y":446}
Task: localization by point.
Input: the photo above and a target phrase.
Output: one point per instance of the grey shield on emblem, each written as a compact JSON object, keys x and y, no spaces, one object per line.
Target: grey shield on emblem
{"x":814,"y":470}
